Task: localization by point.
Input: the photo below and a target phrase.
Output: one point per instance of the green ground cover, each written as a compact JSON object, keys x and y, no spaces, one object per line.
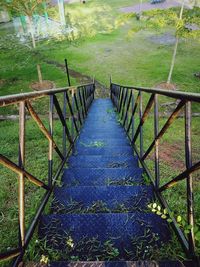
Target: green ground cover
{"x":130,"y":59}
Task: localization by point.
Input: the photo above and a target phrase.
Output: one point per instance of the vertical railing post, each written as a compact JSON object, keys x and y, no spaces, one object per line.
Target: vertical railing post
{"x":84,"y":100}
{"x":21,"y":185}
{"x":72,"y":119}
{"x":81,"y":103}
{"x":64,"y":129}
{"x":118,"y":99}
{"x":124,"y":103}
{"x":188,"y":157}
{"x":67,"y":71}
{"x":156,"y":131}
{"x":128,"y":105}
{"x":77,"y":108}
{"x":50,"y":160}
{"x":111,"y":93}
{"x":93,"y":90}
{"x":133,"y":117}
{"x":141,"y":128}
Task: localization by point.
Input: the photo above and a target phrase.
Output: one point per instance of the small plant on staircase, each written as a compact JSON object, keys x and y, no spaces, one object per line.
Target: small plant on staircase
{"x":182,"y":223}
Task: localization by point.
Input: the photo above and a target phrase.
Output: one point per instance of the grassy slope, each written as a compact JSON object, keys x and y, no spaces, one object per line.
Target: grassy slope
{"x":134,"y":60}
{"x":129,"y":59}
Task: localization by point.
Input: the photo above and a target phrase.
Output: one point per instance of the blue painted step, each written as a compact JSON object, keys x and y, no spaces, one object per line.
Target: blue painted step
{"x":105,"y":198}
{"x":104,"y":128}
{"x":101,"y":123}
{"x":128,"y":232}
{"x":104,"y":118}
{"x":95,"y":176}
{"x":103,"y":181}
{"x":102,"y":162}
{"x":96,"y":115}
{"x":89,"y":130}
{"x":112,"y":151}
{"x":102,"y":134}
{"x":102,"y":142}
{"x":122,"y":264}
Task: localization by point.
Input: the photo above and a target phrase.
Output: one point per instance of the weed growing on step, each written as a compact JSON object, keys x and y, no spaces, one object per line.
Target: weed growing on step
{"x":97,"y":207}
{"x":117,"y":165}
{"x":127,"y":181}
{"x":144,"y":245}
{"x":130,"y":205}
{"x":93,"y":144}
{"x":86,"y":249}
{"x":44,"y":260}
{"x":146,"y":179}
{"x":110,"y":110}
{"x":163,"y":213}
{"x":181,"y":222}
{"x":75,"y":182}
{"x":71,"y":207}
{"x":59,"y":245}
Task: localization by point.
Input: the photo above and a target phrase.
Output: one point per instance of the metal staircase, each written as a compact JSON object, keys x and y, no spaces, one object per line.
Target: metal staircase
{"x":99,"y":212}
{"x":93,"y":204}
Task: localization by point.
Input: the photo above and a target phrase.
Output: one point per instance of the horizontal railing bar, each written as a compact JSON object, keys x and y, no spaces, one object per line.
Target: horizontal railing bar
{"x":10,"y":254}
{"x":16,"y":98}
{"x":165,"y":127}
{"x":174,"y":94}
{"x":180,"y":177}
{"x":12,"y":166}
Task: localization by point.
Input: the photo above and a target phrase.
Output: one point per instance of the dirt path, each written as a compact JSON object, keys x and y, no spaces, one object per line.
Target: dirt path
{"x":148,"y":6}
{"x":101,"y":90}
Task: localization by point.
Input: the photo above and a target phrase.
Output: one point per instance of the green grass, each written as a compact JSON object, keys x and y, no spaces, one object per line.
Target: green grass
{"x":36,"y":164}
{"x":130,"y":59}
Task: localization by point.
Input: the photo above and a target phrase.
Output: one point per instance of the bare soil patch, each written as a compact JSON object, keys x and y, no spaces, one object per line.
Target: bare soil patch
{"x":163,"y":39}
{"x":42,"y":86}
{"x":101,"y":90}
{"x":166,"y":86}
{"x":168,"y":154}
{"x":2,"y":82}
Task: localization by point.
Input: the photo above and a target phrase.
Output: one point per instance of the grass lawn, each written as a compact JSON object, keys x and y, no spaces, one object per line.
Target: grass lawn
{"x":131,"y":59}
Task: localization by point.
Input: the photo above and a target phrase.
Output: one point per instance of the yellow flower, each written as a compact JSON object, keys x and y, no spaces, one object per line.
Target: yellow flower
{"x":44,"y":259}
{"x":154,"y":205}
{"x":179,"y":219}
{"x":69,"y":242}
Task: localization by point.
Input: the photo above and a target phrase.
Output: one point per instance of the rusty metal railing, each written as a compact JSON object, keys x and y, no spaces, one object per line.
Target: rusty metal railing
{"x":127,"y":104}
{"x":76,"y":102}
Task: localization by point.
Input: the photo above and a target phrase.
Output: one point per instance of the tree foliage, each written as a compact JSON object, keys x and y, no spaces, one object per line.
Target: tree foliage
{"x":22,"y":7}
{"x":159,"y":19}
{"x":162,"y":18}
